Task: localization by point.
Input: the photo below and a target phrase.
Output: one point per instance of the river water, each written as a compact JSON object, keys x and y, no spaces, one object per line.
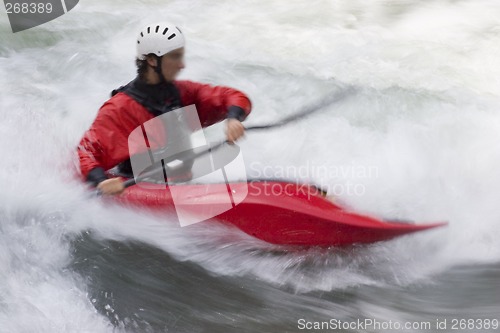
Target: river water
{"x":416,"y":138}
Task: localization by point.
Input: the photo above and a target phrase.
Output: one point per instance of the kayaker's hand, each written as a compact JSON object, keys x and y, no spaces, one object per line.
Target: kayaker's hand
{"x":234,"y":130}
{"x":111,"y":186}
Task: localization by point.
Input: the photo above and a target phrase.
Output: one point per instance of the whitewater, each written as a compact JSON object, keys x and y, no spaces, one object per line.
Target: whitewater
{"x":418,"y":136}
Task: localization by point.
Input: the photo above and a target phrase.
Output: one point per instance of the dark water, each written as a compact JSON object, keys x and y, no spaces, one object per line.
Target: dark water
{"x":140,"y":288}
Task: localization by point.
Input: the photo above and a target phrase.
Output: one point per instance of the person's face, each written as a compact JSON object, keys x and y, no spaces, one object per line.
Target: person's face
{"x":172,"y":64}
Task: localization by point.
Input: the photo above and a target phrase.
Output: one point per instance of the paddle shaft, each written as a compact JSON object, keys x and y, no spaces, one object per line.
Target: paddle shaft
{"x":155,"y":171}
{"x":285,"y":121}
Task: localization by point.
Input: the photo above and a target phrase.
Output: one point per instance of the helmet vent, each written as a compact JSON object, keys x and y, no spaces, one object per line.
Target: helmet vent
{"x":171,"y":36}
{"x":157,"y":28}
{"x":165,"y":31}
{"x":138,"y":42}
{"x":149,"y":30}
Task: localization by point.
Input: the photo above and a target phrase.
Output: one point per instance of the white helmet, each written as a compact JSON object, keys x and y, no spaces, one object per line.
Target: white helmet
{"x":159,"y":38}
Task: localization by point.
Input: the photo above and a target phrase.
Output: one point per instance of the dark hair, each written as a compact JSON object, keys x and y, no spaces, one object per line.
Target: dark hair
{"x":142,"y":65}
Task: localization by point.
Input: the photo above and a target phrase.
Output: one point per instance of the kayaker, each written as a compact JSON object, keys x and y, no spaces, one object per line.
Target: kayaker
{"x":160,"y":58}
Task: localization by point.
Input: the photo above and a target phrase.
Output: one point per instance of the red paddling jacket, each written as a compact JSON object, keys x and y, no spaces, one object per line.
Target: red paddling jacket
{"x":105,"y":144}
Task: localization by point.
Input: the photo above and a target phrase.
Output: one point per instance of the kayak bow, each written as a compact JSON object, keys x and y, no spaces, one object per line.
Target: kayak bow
{"x":277,"y":212}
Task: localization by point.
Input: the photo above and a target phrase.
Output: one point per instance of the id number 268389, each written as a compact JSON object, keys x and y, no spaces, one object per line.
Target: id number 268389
{"x":28,"y":8}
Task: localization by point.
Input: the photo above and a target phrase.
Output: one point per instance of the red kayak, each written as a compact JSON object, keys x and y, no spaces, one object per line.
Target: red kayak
{"x":274,"y":211}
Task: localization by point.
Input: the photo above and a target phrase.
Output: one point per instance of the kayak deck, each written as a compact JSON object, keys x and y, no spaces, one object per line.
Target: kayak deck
{"x":277,"y":212}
